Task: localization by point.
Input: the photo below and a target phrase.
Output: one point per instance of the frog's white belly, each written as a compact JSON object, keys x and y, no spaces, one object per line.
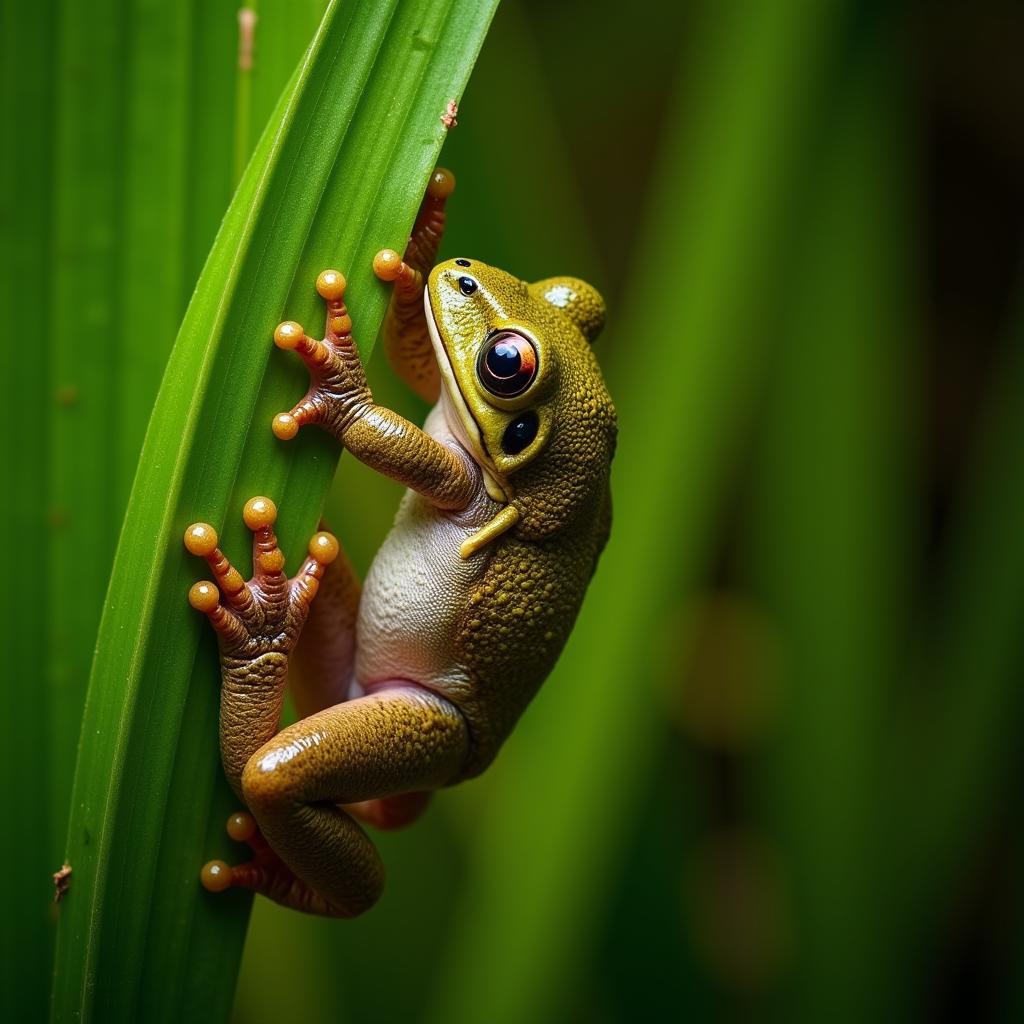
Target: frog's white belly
{"x":416,"y":589}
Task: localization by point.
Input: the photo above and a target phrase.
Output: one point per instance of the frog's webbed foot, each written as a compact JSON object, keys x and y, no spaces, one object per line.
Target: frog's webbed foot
{"x":257,"y":624}
{"x":340,"y":400}
{"x":337,"y":382}
{"x":265,"y":873}
{"x":264,"y":615}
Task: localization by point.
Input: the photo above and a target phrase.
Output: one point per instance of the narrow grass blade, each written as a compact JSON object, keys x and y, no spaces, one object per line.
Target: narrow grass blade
{"x":681,"y":366}
{"x":209,"y":153}
{"x":339,"y":174}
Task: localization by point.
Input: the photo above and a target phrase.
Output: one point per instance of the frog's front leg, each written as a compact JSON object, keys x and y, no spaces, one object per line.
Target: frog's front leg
{"x":257,"y":627}
{"x":339,"y":399}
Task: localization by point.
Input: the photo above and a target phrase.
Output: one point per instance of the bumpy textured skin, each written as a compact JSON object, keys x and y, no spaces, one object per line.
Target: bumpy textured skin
{"x":446,"y":651}
{"x":519,"y":614}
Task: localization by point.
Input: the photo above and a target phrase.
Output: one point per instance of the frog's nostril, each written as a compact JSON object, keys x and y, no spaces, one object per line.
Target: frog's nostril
{"x":463,"y":263}
{"x":467,"y":285}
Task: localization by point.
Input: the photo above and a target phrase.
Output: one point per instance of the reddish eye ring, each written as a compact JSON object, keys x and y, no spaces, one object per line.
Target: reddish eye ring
{"x":507,"y":364}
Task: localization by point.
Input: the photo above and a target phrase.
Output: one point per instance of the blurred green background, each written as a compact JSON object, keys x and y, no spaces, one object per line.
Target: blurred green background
{"x":771,"y":777}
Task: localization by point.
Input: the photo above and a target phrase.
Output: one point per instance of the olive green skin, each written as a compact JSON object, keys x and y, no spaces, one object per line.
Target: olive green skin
{"x":519,"y":616}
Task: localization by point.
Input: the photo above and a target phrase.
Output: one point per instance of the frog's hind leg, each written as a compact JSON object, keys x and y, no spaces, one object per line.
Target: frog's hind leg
{"x":398,"y":739}
{"x":406,"y":338}
{"x":320,"y":669}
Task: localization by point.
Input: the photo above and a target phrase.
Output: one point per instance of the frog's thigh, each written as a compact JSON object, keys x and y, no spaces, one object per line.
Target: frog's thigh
{"x":393,"y":741}
{"x":320,"y":668}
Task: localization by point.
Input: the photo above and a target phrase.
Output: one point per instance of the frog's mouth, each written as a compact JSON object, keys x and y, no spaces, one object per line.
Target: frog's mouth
{"x":458,"y":414}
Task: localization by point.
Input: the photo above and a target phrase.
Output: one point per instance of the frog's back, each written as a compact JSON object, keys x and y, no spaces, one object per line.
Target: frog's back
{"x":515,"y":624}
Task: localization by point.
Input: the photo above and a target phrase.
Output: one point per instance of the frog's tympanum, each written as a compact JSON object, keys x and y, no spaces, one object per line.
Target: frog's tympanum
{"x":413,"y":681}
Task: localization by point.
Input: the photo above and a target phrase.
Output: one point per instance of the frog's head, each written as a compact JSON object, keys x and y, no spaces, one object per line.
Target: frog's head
{"x":522,"y":388}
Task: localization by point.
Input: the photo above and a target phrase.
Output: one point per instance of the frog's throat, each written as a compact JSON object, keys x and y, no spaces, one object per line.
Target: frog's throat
{"x":457,"y":413}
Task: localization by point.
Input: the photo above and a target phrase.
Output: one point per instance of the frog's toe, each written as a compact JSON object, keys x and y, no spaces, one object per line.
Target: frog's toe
{"x":285,"y":425}
{"x":323,"y":549}
{"x":216,"y":876}
{"x":290,"y":337}
{"x":242,"y":827}
{"x":205,"y":597}
{"x":260,"y":514}
{"x":389,"y":266}
{"x":441,"y":184}
{"x":269,"y":875}
{"x":330,"y":286}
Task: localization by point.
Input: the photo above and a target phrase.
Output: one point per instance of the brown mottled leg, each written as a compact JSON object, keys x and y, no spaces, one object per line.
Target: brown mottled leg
{"x":394,"y":740}
{"x":320,"y":669}
{"x":405,"y":335}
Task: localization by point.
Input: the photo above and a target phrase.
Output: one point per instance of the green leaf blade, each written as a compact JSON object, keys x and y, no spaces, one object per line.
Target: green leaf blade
{"x":138,"y":938}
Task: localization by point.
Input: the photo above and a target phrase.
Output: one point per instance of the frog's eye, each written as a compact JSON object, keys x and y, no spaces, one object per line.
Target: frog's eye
{"x":519,"y":434}
{"x":467,"y":285}
{"x":507,"y":364}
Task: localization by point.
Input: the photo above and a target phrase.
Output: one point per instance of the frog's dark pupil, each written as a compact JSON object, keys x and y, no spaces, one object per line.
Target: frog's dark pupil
{"x":467,"y":285}
{"x":520,"y":433}
{"x":504,"y":360}
{"x":462,"y":263}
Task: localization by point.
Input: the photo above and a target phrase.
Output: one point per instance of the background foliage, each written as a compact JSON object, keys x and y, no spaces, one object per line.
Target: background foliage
{"x":771,"y":775}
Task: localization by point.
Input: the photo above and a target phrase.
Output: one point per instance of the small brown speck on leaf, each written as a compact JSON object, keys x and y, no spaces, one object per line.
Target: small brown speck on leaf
{"x":61,"y":882}
{"x":448,"y":117}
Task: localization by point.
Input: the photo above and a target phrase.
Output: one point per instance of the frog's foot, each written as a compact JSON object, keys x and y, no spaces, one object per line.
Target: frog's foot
{"x":266,"y":873}
{"x":405,"y":335}
{"x":421,"y":250}
{"x":408,"y":271}
{"x":266,"y":613}
{"x":337,"y":381}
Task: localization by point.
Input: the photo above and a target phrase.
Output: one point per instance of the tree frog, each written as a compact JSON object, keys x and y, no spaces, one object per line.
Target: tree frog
{"x":413,"y":681}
